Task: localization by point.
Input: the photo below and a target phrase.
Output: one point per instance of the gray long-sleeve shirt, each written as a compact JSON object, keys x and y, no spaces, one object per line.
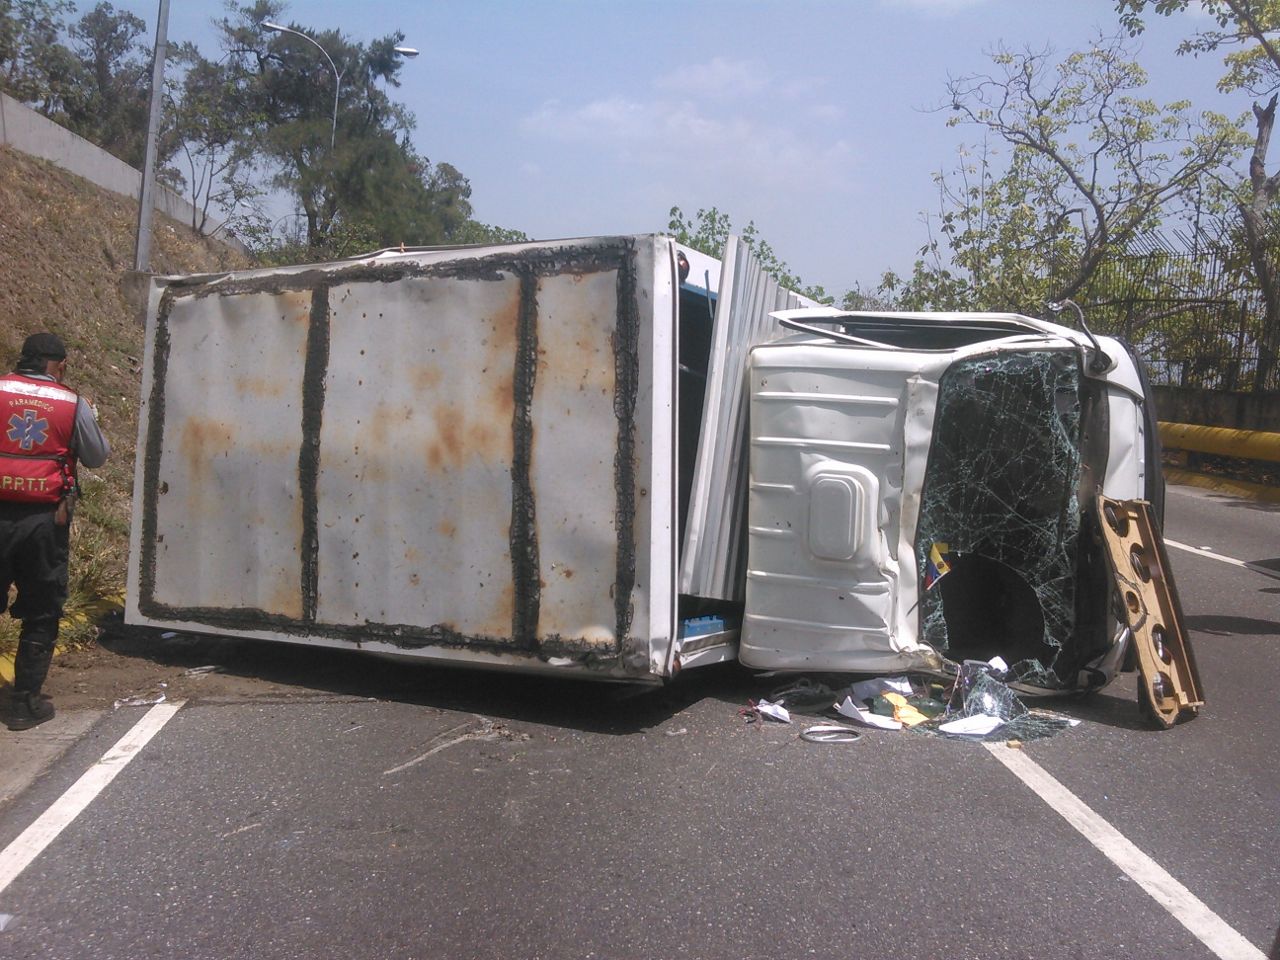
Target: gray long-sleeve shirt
{"x":87,"y":442}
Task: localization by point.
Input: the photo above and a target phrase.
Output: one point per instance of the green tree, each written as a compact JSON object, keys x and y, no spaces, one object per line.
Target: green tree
{"x":708,"y":231}
{"x":108,"y":103}
{"x":1248,"y":31}
{"x":473,"y":231}
{"x":35,"y":66}
{"x":994,"y":240}
{"x":206,"y":137}
{"x":354,"y":175}
{"x":1094,"y":165}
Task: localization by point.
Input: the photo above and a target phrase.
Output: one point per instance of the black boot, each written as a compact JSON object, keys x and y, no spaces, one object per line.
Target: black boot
{"x":29,"y":710}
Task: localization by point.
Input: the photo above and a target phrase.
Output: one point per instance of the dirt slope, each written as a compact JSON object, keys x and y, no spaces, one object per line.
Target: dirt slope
{"x":65,"y":248}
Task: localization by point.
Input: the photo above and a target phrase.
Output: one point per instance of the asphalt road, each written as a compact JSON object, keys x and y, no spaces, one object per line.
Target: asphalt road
{"x":413,"y":812}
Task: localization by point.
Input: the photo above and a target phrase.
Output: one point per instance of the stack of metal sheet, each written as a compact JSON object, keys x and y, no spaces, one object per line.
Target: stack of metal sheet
{"x":715,"y":549}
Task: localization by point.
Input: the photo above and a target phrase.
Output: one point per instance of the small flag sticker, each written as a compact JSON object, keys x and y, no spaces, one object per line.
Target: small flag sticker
{"x":938,"y":566}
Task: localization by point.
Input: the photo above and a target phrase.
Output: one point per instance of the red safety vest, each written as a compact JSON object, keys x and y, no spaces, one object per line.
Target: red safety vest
{"x":37,"y":421}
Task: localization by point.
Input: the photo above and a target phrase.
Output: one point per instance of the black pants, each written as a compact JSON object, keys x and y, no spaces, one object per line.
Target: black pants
{"x":33,"y":557}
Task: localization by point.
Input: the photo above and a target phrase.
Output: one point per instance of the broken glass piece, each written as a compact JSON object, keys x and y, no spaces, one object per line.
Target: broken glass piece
{"x":1001,"y":492}
{"x":985,"y":696}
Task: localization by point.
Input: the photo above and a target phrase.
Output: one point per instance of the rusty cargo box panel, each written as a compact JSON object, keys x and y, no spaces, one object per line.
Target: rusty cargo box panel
{"x":446,"y":453}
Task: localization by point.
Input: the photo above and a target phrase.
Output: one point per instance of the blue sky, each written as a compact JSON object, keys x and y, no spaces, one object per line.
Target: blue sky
{"x":811,"y":117}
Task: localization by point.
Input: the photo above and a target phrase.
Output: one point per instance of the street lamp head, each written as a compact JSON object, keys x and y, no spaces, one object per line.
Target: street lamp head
{"x":268,"y":25}
{"x":409,"y":52}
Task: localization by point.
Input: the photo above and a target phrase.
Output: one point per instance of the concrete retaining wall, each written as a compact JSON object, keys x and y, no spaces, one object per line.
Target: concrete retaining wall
{"x":1219,"y":408}
{"x":24,"y":129}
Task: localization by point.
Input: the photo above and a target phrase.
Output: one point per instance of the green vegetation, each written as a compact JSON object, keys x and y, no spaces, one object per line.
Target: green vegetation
{"x":709,"y":230}
{"x":73,"y":285}
{"x":271,"y":112}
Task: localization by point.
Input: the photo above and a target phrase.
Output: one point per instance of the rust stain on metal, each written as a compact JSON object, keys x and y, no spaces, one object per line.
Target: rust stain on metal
{"x":498,"y":621}
{"x":262,"y":387}
{"x":502,"y":398}
{"x":286,"y":601}
{"x":373,"y":471}
{"x":463,"y":435}
{"x":202,"y":440}
{"x":425,"y":378}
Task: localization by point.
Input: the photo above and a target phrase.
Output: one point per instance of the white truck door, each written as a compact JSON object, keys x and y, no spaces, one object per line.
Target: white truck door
{"x":837,"y":436}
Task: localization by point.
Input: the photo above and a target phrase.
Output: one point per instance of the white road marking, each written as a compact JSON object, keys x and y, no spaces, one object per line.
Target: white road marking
{"x":1187,"y":909}
{"x":1206,"y":552}
{"x":31,"y":842}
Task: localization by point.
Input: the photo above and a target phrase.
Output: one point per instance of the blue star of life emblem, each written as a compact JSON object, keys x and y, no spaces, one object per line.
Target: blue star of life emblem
{"x":26,"y":431}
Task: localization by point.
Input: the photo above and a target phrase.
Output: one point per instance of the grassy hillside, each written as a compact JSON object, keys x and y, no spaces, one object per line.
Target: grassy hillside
{"x":65,"y":247}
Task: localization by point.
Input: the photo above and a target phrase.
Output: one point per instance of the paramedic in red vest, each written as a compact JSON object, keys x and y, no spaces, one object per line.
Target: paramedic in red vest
{"x":45,"y":428}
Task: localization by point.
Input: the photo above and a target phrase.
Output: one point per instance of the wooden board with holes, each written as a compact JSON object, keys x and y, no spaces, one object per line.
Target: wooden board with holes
{"x":1169,"y":682}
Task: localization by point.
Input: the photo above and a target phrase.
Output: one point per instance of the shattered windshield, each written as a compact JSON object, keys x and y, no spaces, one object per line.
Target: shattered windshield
{"x":999,"y":517}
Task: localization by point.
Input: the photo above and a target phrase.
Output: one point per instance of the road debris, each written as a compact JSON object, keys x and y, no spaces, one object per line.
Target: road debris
{"x":905,"y":713}
{"x":850,"y":708}
{"x":804,"y":694}
{"x":774,"y":711}
{"x":139,"y":701}
{"x":830,"y":733}
{"x":756,"y":710}
{"x":487,"y":730}
{"x":978,"y":725}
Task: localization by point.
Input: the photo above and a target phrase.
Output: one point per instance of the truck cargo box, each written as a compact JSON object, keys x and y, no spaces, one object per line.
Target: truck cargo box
{"x":471,"y":455}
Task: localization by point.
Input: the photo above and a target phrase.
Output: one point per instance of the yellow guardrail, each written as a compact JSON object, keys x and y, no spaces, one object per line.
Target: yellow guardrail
{"x":1221,"y":441}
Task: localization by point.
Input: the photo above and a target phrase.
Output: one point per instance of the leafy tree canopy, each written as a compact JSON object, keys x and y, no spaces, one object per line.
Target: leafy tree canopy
{"x":708,"y":231}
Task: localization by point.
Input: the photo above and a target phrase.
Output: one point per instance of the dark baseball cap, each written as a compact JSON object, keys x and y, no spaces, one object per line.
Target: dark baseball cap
{"x":44,"y":346}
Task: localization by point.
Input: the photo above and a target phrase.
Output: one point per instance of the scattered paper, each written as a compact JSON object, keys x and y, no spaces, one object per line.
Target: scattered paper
{"x":201,"y":671}
{"x":774,"y":711}
{"x":168,"y":635}
{"x":849,"y":708}
{"x":903,"y":711}
{"x":998,"y":665}
{"x":5,"y":920}
{"x":978,"y":725}
{"x":866,"y":689}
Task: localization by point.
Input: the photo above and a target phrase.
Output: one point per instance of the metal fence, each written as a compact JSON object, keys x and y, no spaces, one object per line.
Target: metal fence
{"x":1193,"y":311}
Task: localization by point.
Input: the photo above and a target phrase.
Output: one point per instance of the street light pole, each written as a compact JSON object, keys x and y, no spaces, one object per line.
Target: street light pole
{"x":146,"y":199}
{"x":337,"y":75}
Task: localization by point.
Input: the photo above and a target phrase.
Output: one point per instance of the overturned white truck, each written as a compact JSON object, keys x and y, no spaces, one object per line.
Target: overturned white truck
{"x":617,"y":458}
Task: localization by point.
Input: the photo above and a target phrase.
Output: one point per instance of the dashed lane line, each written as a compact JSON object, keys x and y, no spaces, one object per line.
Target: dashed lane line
{"x":18,"y":855}
{"x":1186,"y":907}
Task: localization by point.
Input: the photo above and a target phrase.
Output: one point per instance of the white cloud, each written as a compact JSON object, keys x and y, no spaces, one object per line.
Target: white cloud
{"x":675,"y":133}
{"x":719,"y":78}
{"x":934,"y":6}
{"x":825,"y":112}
